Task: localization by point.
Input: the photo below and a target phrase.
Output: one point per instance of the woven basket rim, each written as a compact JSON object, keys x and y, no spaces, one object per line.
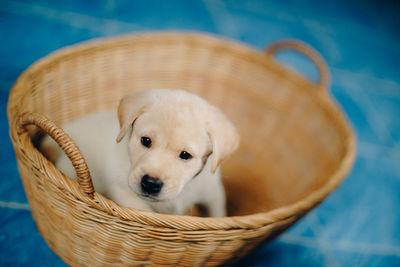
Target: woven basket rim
{"x":181,"y":222}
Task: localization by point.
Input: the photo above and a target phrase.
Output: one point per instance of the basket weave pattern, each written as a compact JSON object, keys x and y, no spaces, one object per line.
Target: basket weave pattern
{"x":296,"y":146}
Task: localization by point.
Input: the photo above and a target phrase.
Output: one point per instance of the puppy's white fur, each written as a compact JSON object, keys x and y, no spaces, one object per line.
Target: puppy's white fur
{"x":175,"y":121}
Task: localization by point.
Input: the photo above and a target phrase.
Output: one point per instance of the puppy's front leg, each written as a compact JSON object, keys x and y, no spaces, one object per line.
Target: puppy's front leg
{"x":127,"y":198}
{"x":217,"y":203}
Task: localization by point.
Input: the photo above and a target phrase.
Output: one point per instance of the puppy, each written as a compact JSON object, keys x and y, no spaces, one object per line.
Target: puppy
{"x":162,"y":156}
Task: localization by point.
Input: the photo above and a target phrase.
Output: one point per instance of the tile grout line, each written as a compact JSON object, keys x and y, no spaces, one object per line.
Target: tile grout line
{"x":373,"y":118}
{"x":323,"y":246}
{"x":387,"y":87}
{"x":73,"y":19}
{"x":14,"y":205}
{"x":347,"y":246}
{"x":223,"y":21}
{"x":304,"y":18}
{"x":361,"y":99}
{"x":373,"y":151}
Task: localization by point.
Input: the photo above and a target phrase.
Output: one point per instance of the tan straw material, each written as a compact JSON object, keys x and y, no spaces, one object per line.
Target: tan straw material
{"x":296,"y":146}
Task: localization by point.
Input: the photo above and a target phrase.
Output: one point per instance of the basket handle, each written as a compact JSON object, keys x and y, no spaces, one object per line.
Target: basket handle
{"x":307,"y":50}
{"x":66,"y":144}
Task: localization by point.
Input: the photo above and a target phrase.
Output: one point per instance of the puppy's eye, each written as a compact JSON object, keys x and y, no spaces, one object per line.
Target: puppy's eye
{"x":185,"y":155}
{"x":146,"y":141}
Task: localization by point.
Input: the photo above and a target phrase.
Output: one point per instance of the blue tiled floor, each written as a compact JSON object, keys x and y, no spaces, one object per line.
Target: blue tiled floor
{"x":358,"y":225}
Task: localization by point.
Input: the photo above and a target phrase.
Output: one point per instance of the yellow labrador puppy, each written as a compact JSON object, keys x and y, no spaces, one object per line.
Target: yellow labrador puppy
{"x":162,"y":156}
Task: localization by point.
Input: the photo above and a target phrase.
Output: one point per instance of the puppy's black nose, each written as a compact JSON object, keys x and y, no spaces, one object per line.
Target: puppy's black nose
{"x":151,"y":185}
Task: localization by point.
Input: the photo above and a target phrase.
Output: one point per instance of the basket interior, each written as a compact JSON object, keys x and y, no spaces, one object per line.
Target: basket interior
{"x":289,"y":145}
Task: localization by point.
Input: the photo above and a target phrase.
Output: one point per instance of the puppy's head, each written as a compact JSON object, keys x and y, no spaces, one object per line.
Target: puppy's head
{"x":172,"y":133}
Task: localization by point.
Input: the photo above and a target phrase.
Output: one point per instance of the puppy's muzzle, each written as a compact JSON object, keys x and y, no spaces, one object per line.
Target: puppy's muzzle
{"x":151,"y":185}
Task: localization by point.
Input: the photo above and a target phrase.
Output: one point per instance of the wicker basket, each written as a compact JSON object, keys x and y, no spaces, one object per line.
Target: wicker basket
{"x":296,"y":146}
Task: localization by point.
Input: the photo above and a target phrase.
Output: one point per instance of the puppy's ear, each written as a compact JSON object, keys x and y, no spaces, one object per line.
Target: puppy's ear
{"x":224,"y":137}
{"x":129,"y":109}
